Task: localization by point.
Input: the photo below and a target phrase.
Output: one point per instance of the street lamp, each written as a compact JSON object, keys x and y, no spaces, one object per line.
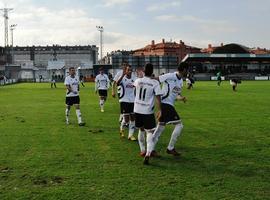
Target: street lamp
{"x":100,"y":29}
{"x":12,"y":28}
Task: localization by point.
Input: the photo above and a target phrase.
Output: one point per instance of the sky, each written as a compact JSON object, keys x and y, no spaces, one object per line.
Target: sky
{"x":132,"y":24}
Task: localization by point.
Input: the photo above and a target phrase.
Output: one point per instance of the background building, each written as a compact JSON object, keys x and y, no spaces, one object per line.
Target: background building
{"x":233,"y":60}
{"x":43,"y":61}
{"x":165,"y":56}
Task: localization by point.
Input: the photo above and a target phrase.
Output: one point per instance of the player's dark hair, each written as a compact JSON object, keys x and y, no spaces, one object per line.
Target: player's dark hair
{"x":101,"y":69}
{"x":182,"y":66}
{"x":71,"y":68}
{"x":148,"y":69}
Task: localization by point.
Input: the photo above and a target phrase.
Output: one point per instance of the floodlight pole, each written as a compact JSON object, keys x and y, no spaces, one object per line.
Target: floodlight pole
{"x":101,"y":29}
{"x":12,"y":28}
{"x":6,"y":11}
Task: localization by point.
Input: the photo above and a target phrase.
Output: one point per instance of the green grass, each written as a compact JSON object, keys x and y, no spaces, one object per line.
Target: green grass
{"x":225,"y":147}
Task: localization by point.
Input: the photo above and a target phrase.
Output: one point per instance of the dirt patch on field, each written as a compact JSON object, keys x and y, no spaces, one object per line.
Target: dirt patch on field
{"x":43,"y":181}
{"x":95,"y":131}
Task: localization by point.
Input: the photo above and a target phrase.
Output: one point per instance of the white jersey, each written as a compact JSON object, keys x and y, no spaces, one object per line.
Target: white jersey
{"x":172,"y":87}
{"x":102,"y":82}
{"x":146,"y":90}
{"x":74,"y":85}
{"x":127,"y":90}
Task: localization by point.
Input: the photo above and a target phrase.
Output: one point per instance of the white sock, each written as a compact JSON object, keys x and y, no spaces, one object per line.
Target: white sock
{"x":79,"y":115}
{"x":122,"y":125}
{"x":157,"y":133}
{"x":67,"y":114}
{"x":120,"y":118}
{"x":149,"y":142}
{"x":176,"y":132}
{"x":101,"y":103}
{"x":131,"y":128}
{"x":141,"y":139}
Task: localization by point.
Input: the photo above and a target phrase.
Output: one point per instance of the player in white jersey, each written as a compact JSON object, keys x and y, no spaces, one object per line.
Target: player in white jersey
{"x":172,"y":88}
{"x":115,"y":79}
{"x":72,"y":96}
{"x":126,"y":99}
{"x":102,"y":84}
{"x":146,"y":91}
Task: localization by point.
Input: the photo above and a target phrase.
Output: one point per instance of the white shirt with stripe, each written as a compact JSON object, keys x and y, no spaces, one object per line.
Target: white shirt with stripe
{"x":126,"y":90}
{"x":74,"y":85}
{"x":172,"y":87}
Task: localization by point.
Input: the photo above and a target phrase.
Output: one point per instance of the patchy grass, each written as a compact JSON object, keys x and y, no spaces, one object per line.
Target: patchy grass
{"x":225,"y":147}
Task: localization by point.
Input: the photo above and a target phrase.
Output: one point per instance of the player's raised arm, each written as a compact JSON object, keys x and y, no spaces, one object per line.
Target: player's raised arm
{"x":158,"y":102}
{"x":121,"y":77}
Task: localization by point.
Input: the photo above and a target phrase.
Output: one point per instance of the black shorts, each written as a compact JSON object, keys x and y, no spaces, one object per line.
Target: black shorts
{"x":103,"y":93}
{"x":72,"y":100}
{"x":145,"y":121}
{"x":126,"y":108}
{"x":168,"y":114}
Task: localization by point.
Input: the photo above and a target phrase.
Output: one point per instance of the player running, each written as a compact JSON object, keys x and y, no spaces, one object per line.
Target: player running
{"x":172,"y":87}
{"x":219,"y":78}
{"x":102,"y":84}
{"x":72,"y":96}
{"x":126,"y":99}
{"x":146,"y":91}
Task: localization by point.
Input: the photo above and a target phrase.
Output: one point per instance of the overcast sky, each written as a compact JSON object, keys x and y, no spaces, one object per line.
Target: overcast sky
{"x":131,"y":24}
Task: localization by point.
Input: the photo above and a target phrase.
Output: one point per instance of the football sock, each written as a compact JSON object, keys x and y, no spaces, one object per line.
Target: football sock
{"x":120,"y":118}
{"x":101,"y":103}
{"x":176,"y":132}
{"x":131,"y":128}
{"x":149,"y":142}
{"x":157,"y":133}
{"x":122,"y":125}
{"x":141,"y":139}
{"x":67,"y":114}
{"x":79,"y":115}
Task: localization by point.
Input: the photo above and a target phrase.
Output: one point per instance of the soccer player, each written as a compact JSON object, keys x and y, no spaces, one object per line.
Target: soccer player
{"x":72,"y":96}
{"x":102,"y":84}
{"x":219,"y":78}
{"x":172,"y":87}
{"x":115,"y":79}
{"x":146,"y":91}
{"x":53,"y":81}
{"x":234,"y":82}
{"x":82,"y":81}
{"x":126,"y":99}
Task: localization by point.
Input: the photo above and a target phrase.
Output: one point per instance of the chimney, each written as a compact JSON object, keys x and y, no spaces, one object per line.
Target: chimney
{"x":153,"y":42}
{"x":209,"y":46}
{"x":181,"y":42}
{"x":221,"y":44}
{"x":163,"y":40}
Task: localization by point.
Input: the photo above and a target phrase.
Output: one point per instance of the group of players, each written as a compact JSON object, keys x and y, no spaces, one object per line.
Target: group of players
{"x":137,"y":94}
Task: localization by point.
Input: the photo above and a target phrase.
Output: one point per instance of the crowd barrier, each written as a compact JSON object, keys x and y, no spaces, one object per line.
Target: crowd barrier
{"x":8,"y":81}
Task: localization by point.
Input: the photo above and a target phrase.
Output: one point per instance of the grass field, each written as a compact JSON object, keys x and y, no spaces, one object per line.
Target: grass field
{"x":225,"y":147}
